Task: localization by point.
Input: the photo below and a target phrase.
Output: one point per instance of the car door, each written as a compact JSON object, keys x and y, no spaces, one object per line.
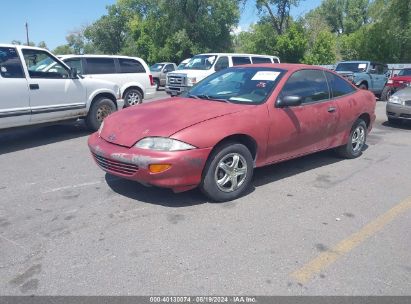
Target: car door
{"x":305,"y":128}
{"x":14,"y":94}
{"x":53,"y":93}
{"x":377,"y":78}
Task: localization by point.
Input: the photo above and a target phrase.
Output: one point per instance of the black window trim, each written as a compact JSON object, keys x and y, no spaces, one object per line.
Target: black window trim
{"x":118,"y":67}
{"x":116,"y":64}
{"x":265,"y":57}
{"x":240,"y":56}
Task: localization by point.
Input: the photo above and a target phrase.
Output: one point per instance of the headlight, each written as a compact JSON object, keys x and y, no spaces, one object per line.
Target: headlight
{"x":101,"y":128}
{"x":396,"y":100}
{"x":390,"y":81}
{"x":191,"y":80}
{"x":163,"y":144}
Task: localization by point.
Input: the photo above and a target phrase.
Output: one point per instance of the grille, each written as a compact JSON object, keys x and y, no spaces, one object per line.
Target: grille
{"x":408,"y":103}
{"x":115,"y":166}
{"x":176,"y":80}
{"x":405,"y":115}
{"x":391,"y":113}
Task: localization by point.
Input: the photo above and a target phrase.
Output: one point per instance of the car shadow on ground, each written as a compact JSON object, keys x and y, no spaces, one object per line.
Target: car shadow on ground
{"x":29,"y":137}
{"x":404,"y":125}
{"x":262,"y":176}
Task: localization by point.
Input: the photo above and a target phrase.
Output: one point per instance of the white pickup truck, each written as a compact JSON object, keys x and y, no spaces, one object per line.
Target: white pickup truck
{"x":36,"y":88}
{"x":203,"y":65}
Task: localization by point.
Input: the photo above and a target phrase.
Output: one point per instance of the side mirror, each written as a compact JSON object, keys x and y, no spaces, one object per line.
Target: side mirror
{"x":289,"y":101}
{"x":165,"y":71}
{"x":73,"y":73}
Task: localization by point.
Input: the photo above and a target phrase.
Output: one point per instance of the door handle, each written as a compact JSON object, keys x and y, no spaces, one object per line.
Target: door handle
{"x":331,"y":109}
{"x":34,"y":86}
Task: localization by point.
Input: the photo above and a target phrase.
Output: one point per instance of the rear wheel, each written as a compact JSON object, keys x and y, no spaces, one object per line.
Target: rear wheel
{"x":228,"y":172}
{"x":132,"y":97}
{"x":99,"y":110}
{"x":356,"y":141}
{"x":394,"y":121}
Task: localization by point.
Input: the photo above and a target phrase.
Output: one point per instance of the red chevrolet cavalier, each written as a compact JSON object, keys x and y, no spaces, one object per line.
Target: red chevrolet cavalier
{"x":232,"y":122}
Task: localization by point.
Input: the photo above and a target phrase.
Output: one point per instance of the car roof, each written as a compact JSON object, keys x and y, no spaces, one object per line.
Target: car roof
{"x":96,"y":56}
{"x":284,"y":66}
{"x":20,"y":46}
{"x":238,"y":54}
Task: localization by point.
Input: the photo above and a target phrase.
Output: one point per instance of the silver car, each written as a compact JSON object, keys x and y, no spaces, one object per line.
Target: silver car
{"x":159,"y":72}
{"x":399,"y":106}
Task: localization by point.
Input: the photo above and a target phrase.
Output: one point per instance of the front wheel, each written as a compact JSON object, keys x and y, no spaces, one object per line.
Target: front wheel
{"x":356,"y":141}
{"x":132,"y":97}
{"x":99,"y":110}
{"x":386,"y":93}
{"x":228,"y":172}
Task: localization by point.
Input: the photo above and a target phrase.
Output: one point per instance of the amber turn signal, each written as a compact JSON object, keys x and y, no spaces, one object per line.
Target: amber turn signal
{"x":158,"y":168}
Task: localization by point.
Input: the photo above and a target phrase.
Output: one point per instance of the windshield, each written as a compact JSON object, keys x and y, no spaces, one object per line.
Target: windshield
{"x":238,"y":85}
{"x":156,"y":67}
{"x":355,"y":67}
{"x":201,"y":62}
{"x":405,"y":72}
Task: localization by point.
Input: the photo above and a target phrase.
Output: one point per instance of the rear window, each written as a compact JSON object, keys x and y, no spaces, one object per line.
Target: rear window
{"x":10,"y":64}
{"x":338,"y":86}
{"x":261,"y":60}
{"x":131,"y":66}
{"x":241,"y":60}
{"x":100,"y":66}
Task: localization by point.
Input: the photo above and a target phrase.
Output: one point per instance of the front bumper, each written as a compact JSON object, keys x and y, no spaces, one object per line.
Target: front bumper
{"x":120,"y":104}
{"x":132,"y":163}
{"x":398,"y":111}
{"x":175,"y":90}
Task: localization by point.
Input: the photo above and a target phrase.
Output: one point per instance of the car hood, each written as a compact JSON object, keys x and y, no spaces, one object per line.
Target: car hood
{"x":404,"y":93}
{"x":401,"y":78}
{"x":162,"y":118}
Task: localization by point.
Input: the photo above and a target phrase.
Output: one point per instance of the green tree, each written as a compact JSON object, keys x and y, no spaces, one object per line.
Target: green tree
{"x":42,"y":44}
{"x":322,"y":50}
{"x":63,"y":50}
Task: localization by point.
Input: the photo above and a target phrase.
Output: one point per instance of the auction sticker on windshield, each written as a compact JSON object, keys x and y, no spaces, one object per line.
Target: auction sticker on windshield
{"x":266,"y":75}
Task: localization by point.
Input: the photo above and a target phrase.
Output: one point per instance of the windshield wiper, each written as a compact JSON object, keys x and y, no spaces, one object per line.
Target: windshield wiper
{"x":205,"y":96}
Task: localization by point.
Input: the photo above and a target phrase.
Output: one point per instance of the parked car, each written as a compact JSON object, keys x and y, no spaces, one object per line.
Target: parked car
{"x":183,"y":64}
{"x":366,"y":75}
{"x":397,"y":82}
{"x":36,"y":87}
{"x":131,"y":74}
{"x":203,"y":65}
{"x":159,"y":72}
{"x":236,"y":120}
{"x":398,"y":107}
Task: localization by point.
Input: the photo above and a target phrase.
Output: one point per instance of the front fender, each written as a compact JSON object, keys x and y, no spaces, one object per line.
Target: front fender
{"x":359,"y":80}
{"x":98,"y":92}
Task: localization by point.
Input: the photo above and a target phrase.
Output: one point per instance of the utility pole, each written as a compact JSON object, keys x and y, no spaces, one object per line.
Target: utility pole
{"x":27,"y":33}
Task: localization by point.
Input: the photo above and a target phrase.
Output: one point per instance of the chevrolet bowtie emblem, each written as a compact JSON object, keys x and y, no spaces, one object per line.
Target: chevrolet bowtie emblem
{"x":112,"y":137}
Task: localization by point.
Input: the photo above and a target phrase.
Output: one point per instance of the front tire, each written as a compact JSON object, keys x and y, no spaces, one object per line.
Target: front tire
{"x":356,"y":141}
{"x":394,"y":121}
{"x":99,"y":110}
{"x":132,"y":97}
{"x":228,"y":172}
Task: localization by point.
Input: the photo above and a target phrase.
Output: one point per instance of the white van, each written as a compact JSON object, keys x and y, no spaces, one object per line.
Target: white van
{"x":131,"y":74}
{"x":203,"y":65}
{"x":37,"y":88}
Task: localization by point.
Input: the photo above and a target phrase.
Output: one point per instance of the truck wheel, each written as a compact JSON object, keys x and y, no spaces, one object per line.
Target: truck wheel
{"x":363,"y":86}
{"x":394,"y":121}
{"x":99,"y":110}
{"x":132,"y":97}
{"x":386,"y":93}
{"x":356,"y":141}
{"x":228,"y":172}
{"x":157,"y":84}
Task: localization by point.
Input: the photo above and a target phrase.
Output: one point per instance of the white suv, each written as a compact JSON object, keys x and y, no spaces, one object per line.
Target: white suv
{"x":36,"y":88}
{"x":131,"y":74}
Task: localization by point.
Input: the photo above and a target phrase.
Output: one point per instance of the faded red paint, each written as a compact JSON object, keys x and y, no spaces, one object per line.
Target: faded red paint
{"x":279,"y":133}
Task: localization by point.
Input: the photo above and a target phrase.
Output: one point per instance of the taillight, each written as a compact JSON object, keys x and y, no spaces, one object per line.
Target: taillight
{"x":151,"y":79}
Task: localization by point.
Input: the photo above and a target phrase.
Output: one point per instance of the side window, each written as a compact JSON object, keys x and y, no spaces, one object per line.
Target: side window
{"x":380,"y":69}
{"x":169,"y":68}
{"x":100,"y":66}
{"x":241,"y":60}
{"x":75,"y":63}
{"x":261,"y":60}
{"x":338,"y":86}
{"x":276,"y":60}
{"x":311,"y":85}
{"x":10,"y":64}
{"x":41,"y":64}
{"x":222,"y":63}
{"x":131,"y":66}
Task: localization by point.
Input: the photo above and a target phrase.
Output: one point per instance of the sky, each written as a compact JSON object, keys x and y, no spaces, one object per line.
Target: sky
{"x":52,"y":20}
